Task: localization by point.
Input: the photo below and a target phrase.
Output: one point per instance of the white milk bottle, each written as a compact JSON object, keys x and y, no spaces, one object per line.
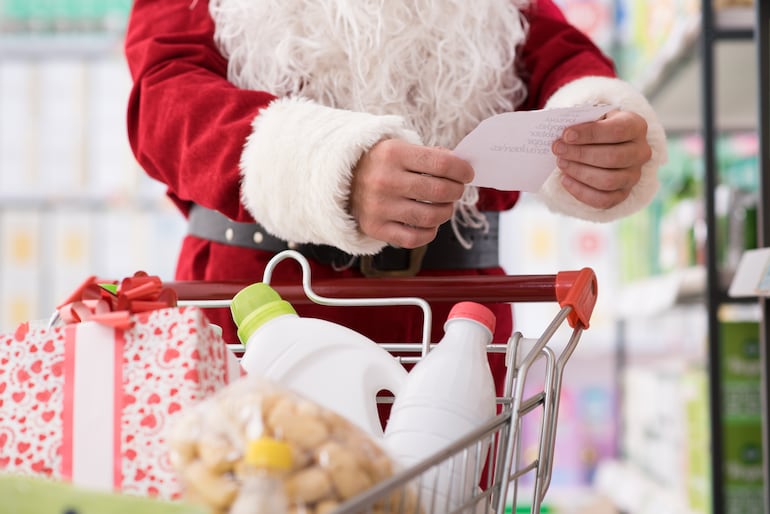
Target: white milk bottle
{"x":448,"y":393}
{"x":328,"y":363}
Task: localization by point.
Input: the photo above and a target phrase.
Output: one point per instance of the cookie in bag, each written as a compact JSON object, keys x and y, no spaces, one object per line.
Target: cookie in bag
{"x":320,"y":459}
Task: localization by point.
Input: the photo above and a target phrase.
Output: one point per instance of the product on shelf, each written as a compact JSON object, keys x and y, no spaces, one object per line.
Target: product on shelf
{"x":724,"y":4}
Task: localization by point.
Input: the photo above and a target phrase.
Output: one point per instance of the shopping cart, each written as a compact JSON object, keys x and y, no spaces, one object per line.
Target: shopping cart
{"x":499,"y":469}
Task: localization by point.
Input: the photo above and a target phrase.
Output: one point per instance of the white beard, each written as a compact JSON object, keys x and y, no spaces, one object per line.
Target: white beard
{"x":442,"y":65}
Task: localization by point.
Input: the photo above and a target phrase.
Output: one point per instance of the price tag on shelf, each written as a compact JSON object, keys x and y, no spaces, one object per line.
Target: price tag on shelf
{"x":752,"y":278}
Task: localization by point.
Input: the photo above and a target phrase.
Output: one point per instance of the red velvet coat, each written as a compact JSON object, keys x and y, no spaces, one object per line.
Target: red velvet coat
{"x":187,"y":125}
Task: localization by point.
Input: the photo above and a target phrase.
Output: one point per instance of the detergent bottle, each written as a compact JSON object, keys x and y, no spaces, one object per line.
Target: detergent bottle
{"x":448,"y":393}
{"x":328,"y":363}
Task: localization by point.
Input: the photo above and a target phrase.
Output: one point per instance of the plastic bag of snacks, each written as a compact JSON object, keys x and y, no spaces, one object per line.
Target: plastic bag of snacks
{"x":231,"y":449}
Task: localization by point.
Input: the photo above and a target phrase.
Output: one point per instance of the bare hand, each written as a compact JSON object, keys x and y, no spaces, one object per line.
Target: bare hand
{"x":602,"y":160}
{"x":401,"y":193}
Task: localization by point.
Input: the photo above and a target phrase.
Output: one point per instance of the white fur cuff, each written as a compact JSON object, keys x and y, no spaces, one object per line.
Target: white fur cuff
{"x":605,"y":90}
{"x":297,"y":166}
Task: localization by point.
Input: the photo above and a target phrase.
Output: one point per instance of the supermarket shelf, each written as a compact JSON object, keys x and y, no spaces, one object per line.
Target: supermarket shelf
{"x":80,"y":45}
{"x":678,"y":49}
{"x":714,"y":71}
{"x":635,"y":493}
{"x":670,"y":78}
{"x":565,"y":500}
{"x":82,"y":202}
{"x":681,"y":45}
{"x":658,"y":294}
{"x":735,"y":22}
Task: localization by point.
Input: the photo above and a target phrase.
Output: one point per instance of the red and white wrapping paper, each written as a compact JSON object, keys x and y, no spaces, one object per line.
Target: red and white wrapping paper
{"x":91,"y":403}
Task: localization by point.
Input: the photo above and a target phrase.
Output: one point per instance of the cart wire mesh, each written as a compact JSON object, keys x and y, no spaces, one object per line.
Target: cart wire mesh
{"x":496,"y":445}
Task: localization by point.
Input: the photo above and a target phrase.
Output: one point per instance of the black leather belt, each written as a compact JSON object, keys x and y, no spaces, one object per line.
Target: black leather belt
{"x":444,"y":252}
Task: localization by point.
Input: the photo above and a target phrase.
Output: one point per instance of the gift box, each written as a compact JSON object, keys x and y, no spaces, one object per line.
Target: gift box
{"x":90,"y":401}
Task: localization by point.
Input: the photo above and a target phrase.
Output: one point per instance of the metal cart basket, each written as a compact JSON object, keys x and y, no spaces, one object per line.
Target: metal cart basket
{"x":498,"y":471}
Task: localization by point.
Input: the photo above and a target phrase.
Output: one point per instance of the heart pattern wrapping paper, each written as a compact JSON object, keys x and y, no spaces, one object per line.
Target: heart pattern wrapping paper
{"x":49,"y":425}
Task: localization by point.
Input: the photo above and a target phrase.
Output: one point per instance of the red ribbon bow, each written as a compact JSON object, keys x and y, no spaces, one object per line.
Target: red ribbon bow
{"x":92,"y":301}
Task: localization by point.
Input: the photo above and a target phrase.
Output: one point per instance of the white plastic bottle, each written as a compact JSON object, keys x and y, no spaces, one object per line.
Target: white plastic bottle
{"x":448,"y":393}
{"x":328,"y":363}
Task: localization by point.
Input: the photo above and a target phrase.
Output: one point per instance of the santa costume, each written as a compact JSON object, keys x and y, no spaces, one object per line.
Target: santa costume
{"x":260,"y":109}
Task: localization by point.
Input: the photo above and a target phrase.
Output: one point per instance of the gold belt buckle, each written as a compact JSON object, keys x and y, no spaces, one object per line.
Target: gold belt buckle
{"x":367,"y":267}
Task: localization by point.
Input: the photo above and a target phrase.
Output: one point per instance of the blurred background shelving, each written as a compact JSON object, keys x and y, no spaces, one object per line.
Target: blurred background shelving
{"x":638,"y":413}
{"x":709,"y":212}
{"x":73,"y":202}
{"x":687,"y":358}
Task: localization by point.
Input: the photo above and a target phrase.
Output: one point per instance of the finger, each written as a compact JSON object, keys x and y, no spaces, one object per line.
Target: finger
{"x":429,"y":188}
{"x":612,"y":156}
{"x":438,"y":162}
{"x":403,"y":212}
{"x":424,"y":215}
{"x":398,"y":183}
{"x":413,"y":213}
{"x":406,"y":236}
{"x":594,"y":197}
{"x":601,"y":179}
{"x":616,"y":127}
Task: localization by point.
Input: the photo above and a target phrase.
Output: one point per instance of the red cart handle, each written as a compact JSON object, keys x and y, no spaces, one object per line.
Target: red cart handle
{"x":576,"y":289}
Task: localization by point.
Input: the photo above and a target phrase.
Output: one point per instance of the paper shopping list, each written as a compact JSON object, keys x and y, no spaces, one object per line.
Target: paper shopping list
{"x":512,"y":151}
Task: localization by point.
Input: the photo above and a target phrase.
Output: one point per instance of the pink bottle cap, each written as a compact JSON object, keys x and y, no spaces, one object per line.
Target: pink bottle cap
{"x":474,"y":311}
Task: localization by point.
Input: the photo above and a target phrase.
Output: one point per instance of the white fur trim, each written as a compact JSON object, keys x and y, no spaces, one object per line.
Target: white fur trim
{"x":443,"y":66}
{"x":598,"y":90}
{"x":297,"y":166}
{"x":370,"y":56}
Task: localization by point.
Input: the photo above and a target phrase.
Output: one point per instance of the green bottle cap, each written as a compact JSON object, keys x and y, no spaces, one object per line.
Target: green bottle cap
{"x":254,"y":306}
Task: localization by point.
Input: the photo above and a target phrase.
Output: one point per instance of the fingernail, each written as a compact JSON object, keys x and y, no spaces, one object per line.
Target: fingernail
{"x":570,"y":136}
{"x":559,"y":148}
